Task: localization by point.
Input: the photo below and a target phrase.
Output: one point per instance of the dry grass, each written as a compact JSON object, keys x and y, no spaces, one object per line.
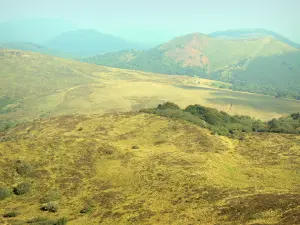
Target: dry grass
{"x":41,"y":86}
{"x":179,"y":174}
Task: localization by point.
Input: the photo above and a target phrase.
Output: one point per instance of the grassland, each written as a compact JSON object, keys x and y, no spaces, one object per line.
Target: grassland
{"x":145,"y":169}
{"x":35,"y":85}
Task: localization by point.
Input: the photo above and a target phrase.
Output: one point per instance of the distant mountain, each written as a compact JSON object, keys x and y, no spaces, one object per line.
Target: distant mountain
{"x":253,"y":33}
{"x":33,"y":30}
{"x":88,"y":43}
{"x":31,"y":47}
{"x":194,"y":51}
{"x":217,"y":58}
{"x":148,"y":37}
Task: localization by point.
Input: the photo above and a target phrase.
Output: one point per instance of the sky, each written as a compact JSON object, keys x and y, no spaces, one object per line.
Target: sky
{"x":163,"y":17}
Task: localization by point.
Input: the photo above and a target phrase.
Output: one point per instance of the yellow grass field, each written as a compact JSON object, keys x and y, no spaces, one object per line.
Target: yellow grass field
{"x":41,"y":86}
{"x":146,"y":169}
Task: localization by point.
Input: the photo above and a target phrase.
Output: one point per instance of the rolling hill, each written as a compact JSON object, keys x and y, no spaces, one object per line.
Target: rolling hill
{"x":31,"y":47}
{"x":226,"y":60}
{"x":88,"y":43}
{"x":35,"y":85}
{"x":139,"y":168}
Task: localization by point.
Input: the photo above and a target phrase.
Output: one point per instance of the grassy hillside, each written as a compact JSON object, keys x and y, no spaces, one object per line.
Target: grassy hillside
{"x":276,"y":75}
{"x":145,"y":169}
{"x":35,"y":85}
{"x":196,"y":51}
{"x":234,"y":61}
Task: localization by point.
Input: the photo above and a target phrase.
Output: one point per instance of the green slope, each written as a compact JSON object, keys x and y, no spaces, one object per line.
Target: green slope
{"x":276,"y":75}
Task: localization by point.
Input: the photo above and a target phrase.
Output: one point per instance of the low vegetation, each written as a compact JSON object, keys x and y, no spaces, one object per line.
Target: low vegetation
{"x":224,"y":124}
{"x":50,"y":207}
{"x":11,"y":214}
{"x":23,"y":168}
{"x":22,"y":188}
{"x":45,"y":221}
{"x":4,"y":193}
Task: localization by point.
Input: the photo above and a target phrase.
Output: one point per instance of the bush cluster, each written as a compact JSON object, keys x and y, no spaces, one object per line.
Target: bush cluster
{"x":222,"y":123}
{"x":22,"y":188}
{"x":50,"y":207}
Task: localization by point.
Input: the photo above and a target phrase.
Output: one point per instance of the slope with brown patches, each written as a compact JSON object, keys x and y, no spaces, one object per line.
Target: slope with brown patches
{"x":198,"y":50}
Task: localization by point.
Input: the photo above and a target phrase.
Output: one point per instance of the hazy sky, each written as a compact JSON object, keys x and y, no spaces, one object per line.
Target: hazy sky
{"x":174,"y":16}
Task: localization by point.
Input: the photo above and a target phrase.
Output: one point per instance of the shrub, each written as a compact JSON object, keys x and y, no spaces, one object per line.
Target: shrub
{"x":135,"y":147}
{"x":224,"y":124}
{"x":62,"y":221}
{"x":49,"y":207}
{"x":51,"y":196}
{"x":23,"y":168}
{"x":22,"y":188}
{"x":87,"y":209}
{"x":45,"y":221}
{"x":167,"y":105}
{"x":37,"y":220}
{"x":11,"y":214}
{"x":4,"y":193}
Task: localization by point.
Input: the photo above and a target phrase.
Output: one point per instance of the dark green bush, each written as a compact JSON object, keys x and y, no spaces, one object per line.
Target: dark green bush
{"x":11,"y":214}
{"x":167,"y":105}
{"x":135,"y":147}
{"x":224,"y":124}
{"x":4,"y":193}
{"x":22,"y":188}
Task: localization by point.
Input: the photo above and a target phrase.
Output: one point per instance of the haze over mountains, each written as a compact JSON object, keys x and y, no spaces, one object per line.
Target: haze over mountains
{"x":139,"y":114}
{"x":60,"y":38}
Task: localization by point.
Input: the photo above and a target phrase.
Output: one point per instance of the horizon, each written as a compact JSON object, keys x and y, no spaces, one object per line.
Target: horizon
{"x":135,"y":20}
